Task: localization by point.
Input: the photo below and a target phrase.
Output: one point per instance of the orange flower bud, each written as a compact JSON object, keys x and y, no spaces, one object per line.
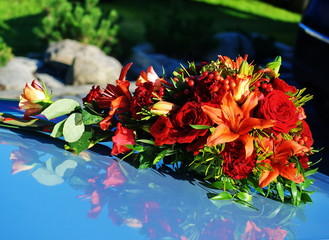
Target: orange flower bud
{"x":32,"y":93}
{"x":241,"y":89}
{"x":163,"y":108}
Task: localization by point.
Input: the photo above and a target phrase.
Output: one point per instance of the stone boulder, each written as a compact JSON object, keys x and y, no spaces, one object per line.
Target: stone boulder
{"x":17,"y":73}
{"x":143,"y":56}
{"x":97,"y":70}
{"x":84,"y":64}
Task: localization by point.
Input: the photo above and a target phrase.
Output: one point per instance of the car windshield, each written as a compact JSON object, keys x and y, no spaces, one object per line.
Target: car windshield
{"x":316,"y":16}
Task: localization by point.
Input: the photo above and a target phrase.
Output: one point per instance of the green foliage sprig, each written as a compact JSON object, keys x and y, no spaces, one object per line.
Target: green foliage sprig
{"x":85,"y":24}
{"x":5,"y":53}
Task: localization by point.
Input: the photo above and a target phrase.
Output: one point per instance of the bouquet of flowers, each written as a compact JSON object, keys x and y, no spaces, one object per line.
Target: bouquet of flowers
{"x":235,"y":125}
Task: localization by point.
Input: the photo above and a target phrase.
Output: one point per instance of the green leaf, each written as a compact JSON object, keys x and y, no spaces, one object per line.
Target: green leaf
{"x":161,"y":155}
{"x":280,"y":190}
{"x":294,"y":192}
{"x":244,"y":196}
{"x":275,"y":65}
{"x":82,"y":144}
{"x":137,"y":148}
{"x":60,"y":107}
{"x":222,"y":185}
{"x":310,"y":172}
{"x":58,"y":129}
{"x":151,"y":142}
{"x":306,"y":183}
{"x":73,"y":127}
{"x":222,"y":196}
{"x":305,"y":197}
{"x":200,"y":126}
{"x":90,"y":118}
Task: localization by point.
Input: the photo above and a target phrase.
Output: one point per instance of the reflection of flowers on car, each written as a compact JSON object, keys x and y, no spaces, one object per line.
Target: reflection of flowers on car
{"x":150,"y":200}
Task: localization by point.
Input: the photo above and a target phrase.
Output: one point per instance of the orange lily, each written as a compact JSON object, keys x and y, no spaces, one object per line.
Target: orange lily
{"x":231,"y":63}
{"x":279,"y":163}
{"x":234,"y":121}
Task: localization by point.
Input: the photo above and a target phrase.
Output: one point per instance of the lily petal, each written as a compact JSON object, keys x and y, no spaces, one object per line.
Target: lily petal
{"x":215,"y":114}
{"x":249,"y":144}
{"x":268,"y":176}
{"x":222,"y":134}
{"x":250,"y":103}
{"x":292,"y":174}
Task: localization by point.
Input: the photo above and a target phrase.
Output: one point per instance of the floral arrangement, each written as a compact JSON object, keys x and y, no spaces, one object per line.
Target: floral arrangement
{"x":235,"y":125}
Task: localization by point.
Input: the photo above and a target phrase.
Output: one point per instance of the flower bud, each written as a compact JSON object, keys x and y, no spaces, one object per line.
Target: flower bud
{"x":33,"y":93}
{"x":241,"y":89}
{"x":163,"y":108}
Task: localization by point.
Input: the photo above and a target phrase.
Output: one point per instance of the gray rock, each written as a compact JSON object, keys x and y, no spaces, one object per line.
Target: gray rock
{"x":65,"y":51}
{"x":84,"y":64}
{"x":144,"y":56}
{"x":49,"y":80}
{"x":97,"y":70}
{"x":17,"y":73}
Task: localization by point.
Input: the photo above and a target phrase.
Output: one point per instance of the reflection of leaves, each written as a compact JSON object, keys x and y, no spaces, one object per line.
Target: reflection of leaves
{"x":66,"y":168}
{"x":9,"y":120}
{"x":47,"y":177}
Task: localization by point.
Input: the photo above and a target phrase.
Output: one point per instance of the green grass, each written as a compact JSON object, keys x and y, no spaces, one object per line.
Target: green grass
{"x":225,"y":15}
{"x":245,"y":8}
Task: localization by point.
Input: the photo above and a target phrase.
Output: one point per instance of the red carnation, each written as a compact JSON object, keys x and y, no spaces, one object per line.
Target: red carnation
{"x":277,"y":106}
{"x":122,"y":136}
{"x":235,"y":163}
{"x":93,"y":94}
{"x":142,"y":97}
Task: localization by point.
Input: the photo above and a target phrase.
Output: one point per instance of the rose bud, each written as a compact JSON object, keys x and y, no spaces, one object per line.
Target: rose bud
{"x":163,"y":108}
{"x":32,"y":98}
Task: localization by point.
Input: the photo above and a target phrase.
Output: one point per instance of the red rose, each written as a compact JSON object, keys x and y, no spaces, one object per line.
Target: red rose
{"x":94,"y":93}
{"x":161,"y":130}
{"x":279,"y":84}
{"x":277,"y":106}
{"x":190,"y":114}
{"x":235,"y":163}
{"x":122,"y":136}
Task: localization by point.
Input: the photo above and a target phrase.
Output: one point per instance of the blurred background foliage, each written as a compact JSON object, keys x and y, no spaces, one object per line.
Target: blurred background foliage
{"x":178,"y":28}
